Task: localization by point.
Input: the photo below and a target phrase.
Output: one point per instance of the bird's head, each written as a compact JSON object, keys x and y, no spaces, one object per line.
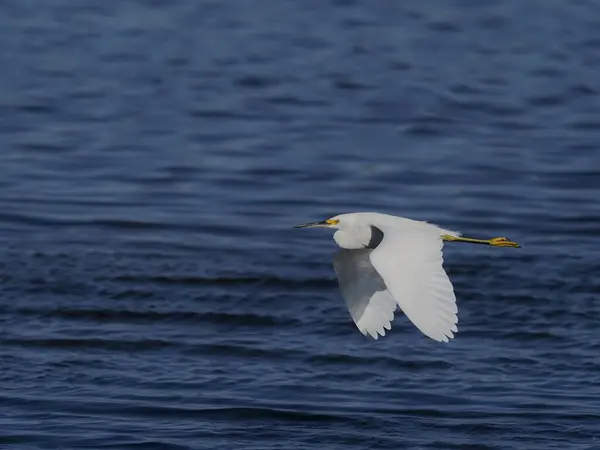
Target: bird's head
{"x":353,"y":230}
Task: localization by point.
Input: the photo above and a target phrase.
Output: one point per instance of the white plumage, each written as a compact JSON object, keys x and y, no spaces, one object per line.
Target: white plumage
{"x":369,"y":302}
{"x":411,"y":265}
{"x":387,"y":262}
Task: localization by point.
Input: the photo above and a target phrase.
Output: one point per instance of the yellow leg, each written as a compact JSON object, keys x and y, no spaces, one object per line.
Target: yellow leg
{"x":494,"y":242}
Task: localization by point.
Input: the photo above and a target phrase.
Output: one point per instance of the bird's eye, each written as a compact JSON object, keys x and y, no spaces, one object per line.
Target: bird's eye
{"x":332,"y":221}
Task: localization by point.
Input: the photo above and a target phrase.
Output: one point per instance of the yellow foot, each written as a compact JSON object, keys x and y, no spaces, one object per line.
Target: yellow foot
{"x":503,"y":242}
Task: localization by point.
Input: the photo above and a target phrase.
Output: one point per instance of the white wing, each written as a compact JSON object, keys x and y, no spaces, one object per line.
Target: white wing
{"x":410,"y":263}
{"x":371,"y":305}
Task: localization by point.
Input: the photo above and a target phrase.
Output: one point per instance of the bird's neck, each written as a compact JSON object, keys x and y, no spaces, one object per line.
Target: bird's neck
{"x":353,"y":238}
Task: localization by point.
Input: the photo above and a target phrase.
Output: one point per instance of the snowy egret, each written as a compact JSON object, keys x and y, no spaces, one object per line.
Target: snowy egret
{"x":387,"y":262}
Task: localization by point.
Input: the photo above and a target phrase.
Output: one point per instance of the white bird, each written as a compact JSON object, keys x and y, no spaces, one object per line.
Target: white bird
{"x":387,"y":262}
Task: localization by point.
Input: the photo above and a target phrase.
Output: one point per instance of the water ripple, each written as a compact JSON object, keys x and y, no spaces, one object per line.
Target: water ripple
{"x":156,"y":155}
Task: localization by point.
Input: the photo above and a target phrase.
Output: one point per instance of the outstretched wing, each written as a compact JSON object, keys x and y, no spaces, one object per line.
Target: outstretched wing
{"x":369,"y":302}
{"x":410,"y":264}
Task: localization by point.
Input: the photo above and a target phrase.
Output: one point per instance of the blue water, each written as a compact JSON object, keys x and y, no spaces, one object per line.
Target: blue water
{"x":154,"y":156}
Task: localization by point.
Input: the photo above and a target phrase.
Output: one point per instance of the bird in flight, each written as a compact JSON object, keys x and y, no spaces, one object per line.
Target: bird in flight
{"x":385,"y":262}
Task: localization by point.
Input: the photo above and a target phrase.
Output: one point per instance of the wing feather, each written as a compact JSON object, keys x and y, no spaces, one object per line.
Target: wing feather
{"x":411,"y":266}
{"x":370,"y":304}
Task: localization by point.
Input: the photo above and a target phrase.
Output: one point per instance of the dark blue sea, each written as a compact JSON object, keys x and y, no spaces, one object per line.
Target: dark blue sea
{"x":155,"y":156}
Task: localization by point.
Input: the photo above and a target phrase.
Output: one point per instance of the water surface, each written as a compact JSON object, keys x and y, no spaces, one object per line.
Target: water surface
{"x":155,"y":156}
